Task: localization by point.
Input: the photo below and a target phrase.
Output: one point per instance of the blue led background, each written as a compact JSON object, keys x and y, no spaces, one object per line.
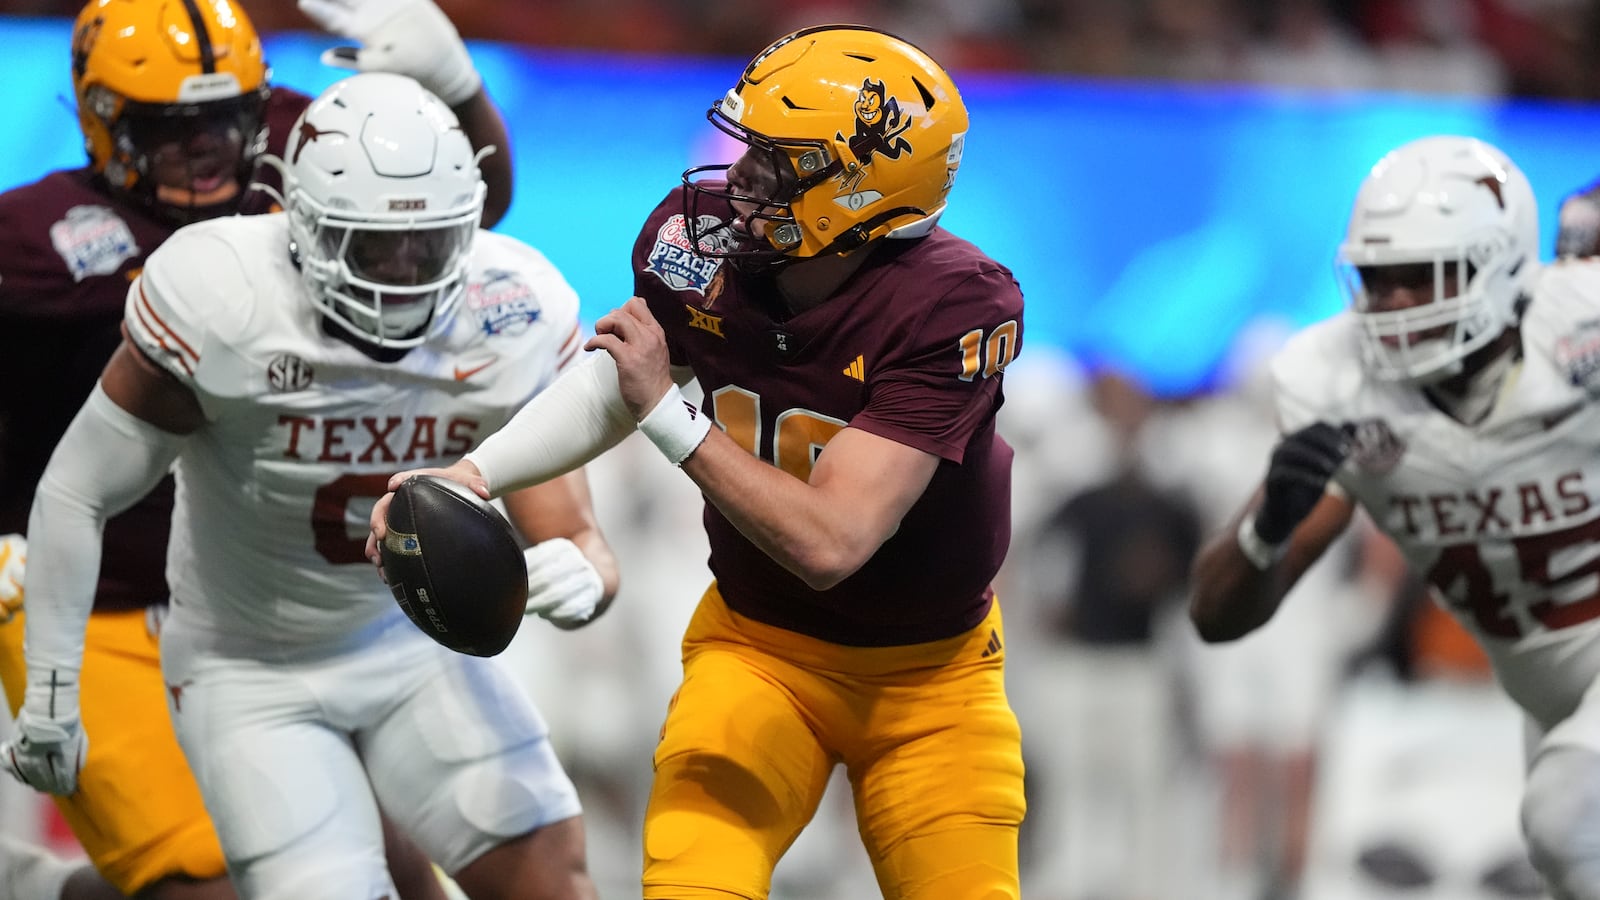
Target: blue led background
{"x":1147,"y":224}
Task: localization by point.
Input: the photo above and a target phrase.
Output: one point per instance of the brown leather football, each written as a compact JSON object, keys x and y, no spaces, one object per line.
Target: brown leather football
{"x":454,"y":565}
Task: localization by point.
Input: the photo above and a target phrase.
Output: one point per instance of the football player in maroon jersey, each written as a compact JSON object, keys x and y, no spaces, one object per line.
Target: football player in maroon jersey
{"x":175,"y":106}
{"x":851,"y":353}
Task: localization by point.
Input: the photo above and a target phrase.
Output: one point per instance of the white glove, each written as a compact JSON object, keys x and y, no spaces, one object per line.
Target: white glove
{"x":50,"y":746}
{"x":406,"y":37}
{"x":563,"y":586}
{"x":13,"y":563}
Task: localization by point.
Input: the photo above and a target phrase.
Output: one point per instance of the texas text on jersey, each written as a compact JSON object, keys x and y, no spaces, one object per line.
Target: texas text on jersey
{"x":290,"y":415}
{"x":1501,"y":517}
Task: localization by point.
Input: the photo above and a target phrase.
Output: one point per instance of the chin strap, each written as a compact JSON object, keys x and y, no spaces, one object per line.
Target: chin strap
{"x":1481,"y":391}
{"x":860,"y":235}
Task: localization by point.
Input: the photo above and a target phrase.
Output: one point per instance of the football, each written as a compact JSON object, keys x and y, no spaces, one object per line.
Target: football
{"x":454,"y":565}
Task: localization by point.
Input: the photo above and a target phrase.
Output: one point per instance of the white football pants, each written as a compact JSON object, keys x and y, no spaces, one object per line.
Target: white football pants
{"x":294,"y":758}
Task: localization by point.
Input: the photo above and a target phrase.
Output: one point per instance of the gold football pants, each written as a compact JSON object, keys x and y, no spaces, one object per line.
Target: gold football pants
{"x":931,"y":747}
{"x":137,"y":812}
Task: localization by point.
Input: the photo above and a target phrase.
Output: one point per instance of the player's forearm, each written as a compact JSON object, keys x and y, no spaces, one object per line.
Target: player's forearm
{"x":64,"y":562}
{"x":799,"y":526}
{"x":1231,"y":596}
{"x":565,"y":426}
{"x":484,"y":127}
{"x":105,"y":462}
{"x":598,"y":551}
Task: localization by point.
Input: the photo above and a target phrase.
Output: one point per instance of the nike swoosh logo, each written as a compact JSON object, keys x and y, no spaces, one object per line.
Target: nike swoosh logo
{"x":464,"y":374}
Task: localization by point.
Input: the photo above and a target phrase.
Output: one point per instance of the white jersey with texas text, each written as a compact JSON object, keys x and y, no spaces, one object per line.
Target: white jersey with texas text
{"x":302,"y":430}
{"x":1502,"y":518}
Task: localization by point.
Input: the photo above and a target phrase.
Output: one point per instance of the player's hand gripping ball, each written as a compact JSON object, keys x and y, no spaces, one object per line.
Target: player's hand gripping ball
{"x":454,"y":565}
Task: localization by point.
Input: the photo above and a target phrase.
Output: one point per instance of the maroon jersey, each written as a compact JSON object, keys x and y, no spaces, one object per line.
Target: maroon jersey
{"x":68,"y":249}
{"x":910,"y":349}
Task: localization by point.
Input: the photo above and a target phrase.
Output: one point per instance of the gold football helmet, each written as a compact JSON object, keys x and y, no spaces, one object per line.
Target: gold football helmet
{"x":154,"y":73}
{"x":866,"y":132}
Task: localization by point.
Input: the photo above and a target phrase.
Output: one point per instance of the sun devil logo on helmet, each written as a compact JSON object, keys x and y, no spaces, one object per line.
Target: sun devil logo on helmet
{"x":880,"y":131}
{"x":880,"y":124}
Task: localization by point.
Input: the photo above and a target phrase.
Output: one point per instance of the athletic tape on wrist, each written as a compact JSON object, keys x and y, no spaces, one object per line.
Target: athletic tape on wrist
{"x":676,"y":426}
{"x":1261,"y":554}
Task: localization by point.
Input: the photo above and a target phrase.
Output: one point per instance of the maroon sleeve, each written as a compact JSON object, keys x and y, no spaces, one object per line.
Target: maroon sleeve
{"x":942,"y":390}
{"x":46,"y":254}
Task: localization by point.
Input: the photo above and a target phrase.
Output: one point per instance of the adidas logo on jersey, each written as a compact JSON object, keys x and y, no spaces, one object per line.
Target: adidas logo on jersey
{"x":993,"y":646}
{"x":857,"y":369}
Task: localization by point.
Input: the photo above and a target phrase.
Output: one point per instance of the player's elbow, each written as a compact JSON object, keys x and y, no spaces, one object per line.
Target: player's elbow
{"x":1217,"y":621}
{"x":822,"y":566}
{"x":1210,"y":628}
{"x":821,"y":574}
{"x":825,"y":550}
{"x":824,"y":581}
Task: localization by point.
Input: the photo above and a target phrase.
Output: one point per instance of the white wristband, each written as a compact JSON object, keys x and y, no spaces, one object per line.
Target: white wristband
{"x":1261,"y":554}
{"x":675,"y":426}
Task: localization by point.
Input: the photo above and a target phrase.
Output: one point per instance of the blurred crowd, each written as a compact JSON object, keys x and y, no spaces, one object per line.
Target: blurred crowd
{"x":1530,"y":48}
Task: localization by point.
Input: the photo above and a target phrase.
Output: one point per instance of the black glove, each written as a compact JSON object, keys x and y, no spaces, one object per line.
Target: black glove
{"x":1298,"y":475}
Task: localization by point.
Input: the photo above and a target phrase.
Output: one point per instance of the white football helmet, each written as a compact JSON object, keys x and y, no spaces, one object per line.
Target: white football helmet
{"x":1453,"y":220}
{"x":383,"y":195}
